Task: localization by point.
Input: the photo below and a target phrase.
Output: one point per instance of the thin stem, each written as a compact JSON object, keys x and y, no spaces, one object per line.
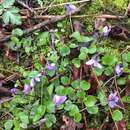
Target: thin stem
{"x":62,"y":4}
{"x":108,"y":81}
{"x":118,"y":93}
{"x":114,"y":121}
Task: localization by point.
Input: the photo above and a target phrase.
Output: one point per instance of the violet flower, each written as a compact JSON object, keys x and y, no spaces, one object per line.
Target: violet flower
{"x":94,"y":63}
{"x":70,"y":8}
{"x":58,"y":100}
{"x":113,"y":100}
{"x":34,"y":80}
{"x":118,"y":69}
{"x":51,"y":66}
{"x":14,"y":90}
{"x":106,"y":31}
{"x":27,"y":89}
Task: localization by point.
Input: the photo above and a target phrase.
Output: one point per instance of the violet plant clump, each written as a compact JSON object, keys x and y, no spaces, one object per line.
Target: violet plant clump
{"x":56,"y":64}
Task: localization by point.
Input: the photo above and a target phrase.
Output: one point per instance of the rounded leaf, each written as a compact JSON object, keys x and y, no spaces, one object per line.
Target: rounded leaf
{"x":109,"y":60}
{"x":77,"y":117}
{"x":92,"y":110}
{"x":64,"y":50}
{"x":65,"y":80}
{"x":8,"y":125}
{"x":89,"y":101}
{"x":17,"y":32}
{"x":84,"y":85}
{"x":117,"y":115}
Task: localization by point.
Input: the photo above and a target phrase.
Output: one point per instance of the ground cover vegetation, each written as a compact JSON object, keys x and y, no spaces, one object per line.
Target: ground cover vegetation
{"x":64,"y":65}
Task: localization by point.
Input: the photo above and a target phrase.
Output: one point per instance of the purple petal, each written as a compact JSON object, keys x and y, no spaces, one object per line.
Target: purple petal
{"x":94,"y":63}
{"x":113,"y":99}
{"x":98,"y":65}
{"x":118,"y":69}
{"x":112,"y":104}
{"x":70,"y":8}
{"x":27,"y":89}
{"x":32,"y":82}
{"x":14,"y":90}
{"x":112,"y":95}
{"x":51,"y":66}
{"x":58,"y":100}
{"x":106,"y":31}
{"x":90,"y":62}
{"x":37,"y":79}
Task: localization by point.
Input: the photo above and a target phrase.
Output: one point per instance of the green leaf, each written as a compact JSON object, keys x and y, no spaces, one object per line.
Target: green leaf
{"x":92,"y":110}
{"x":8,"y":3}
{"x":92,"y":49}
{"x":23,"y":125}
{"x":43,"y":38}
{"x":109,"y":71}
{"x":16,"y":124}
{"x":50,"y":120}
{"x":50,"y":89}
{"x":77,"y":36}
{"x":33,"y":74}
{"x":84,"y":85}
{"x":81,"y":38}
{"x":12,"y":16}
{"x":14,"y":39}
{"x":73,"y":110}
{"x":90,"y":101}
{"x":109,"y":60}
{"x":38,"y":66}
{"x":117,"y":115}
{"x":24,"y":117}
{"x":102,"y":97}
{"x":38,"y":112}
{"x":121,"y":81}
{"x":75,"y":84}
{"x":50,"y":107}
{"x":77,"y":117}
{"x":80,"y":94}
{"x":126,"y":99}
{"x":65,"y":80}
{"x":8,"y":124}
{"x":76,"y":62}
{"x":126,"y":57}
{"x":83,"y":53}
{"x":28,"y":50}
{"x":64,"y":50}
{"x":86,"y":39}
{"x":60,"y":90}
{"x":84,"y":50}
{"x":98,"y":71}
{"x":17,"y":32}
{"x":69,"y":91}
{"x":82,"y":56}
{"x":68,"y":105}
